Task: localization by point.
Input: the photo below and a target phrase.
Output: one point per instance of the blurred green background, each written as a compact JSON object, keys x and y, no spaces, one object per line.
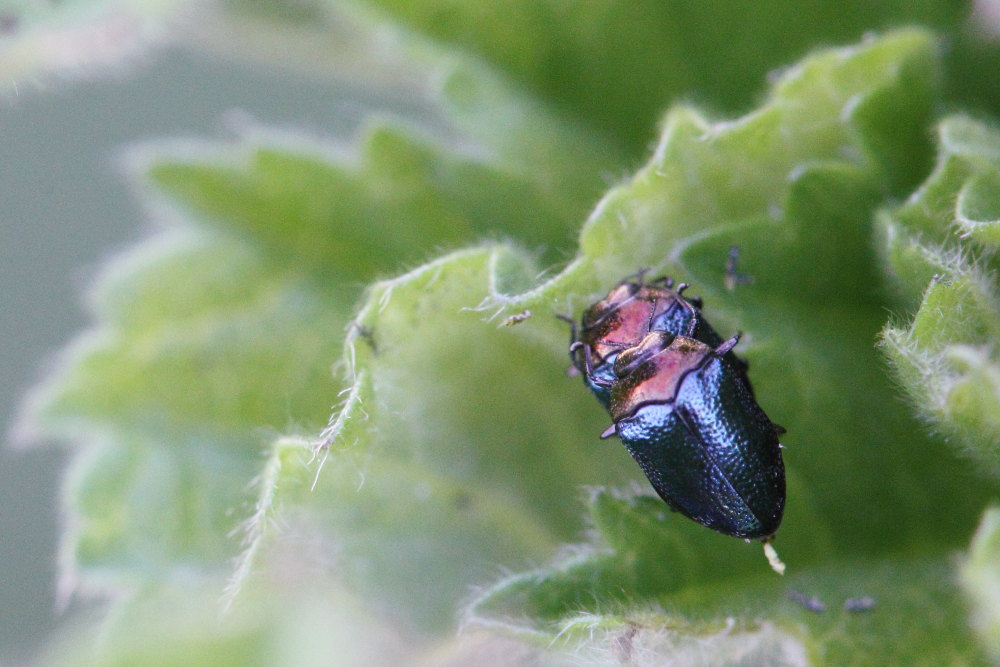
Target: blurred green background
{"x":66,"y":207}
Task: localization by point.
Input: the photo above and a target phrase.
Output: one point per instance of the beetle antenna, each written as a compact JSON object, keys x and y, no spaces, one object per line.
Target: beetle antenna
{"x":637,"y":276}
{"x":572,"y":324}
{"x":691,"y":308}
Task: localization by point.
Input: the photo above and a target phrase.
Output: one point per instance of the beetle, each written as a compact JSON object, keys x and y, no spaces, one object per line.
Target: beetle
{"x":619,"y":321}
{"x":685,"y":412}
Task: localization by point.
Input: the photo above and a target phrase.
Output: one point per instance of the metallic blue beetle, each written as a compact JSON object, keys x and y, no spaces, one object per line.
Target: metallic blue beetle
{"x":684,"y":408}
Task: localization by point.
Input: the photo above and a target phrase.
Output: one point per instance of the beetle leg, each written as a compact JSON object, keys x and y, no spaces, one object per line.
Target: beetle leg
{"x":587,"y":363}
{"x":728,"y":345}
{"x":609,"y":432}
{"x":574,"y":368}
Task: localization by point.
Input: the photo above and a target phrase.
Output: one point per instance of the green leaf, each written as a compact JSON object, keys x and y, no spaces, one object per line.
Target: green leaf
{"x":762,"y":622}
{"x":403,"y":197}
{"x":172,"y":396}
{"x":296,"y":621}
{"x":219,"y":332}
{"x":477,"y":445}
{"x":976,"y":209}
{"x":979,"y":578}
{"x":647,"y":554}
{"x":431,"y":486}
{"x":639,"y":55}
{"x":611,"y":67}
{"x":937,"y":250}
{"x":666,"y":589}
{"x":459,"y":446}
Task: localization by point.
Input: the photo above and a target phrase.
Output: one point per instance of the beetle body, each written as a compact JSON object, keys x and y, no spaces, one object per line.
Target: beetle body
{"x":687,"y":415}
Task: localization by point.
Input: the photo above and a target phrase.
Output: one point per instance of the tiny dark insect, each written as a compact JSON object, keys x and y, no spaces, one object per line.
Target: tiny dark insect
{"x":812,"y":603}
{"x":857,"y":605}
{"x":683,"y":407}
{"x":517,"y":318}
{"x":365,"y":333}
{"x":732,"y":277}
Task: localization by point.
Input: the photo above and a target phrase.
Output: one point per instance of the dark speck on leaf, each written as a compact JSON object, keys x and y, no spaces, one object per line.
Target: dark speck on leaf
{"x":811,"y":603}
{"x":462,"y":501}
{"x":857,"y":605}
{"x":516,"y":319}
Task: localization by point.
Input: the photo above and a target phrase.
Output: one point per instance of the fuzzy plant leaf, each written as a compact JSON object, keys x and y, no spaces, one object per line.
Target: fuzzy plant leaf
{"x":939,"y":248}
{"x":626,"y":597}
{"x":219,"y":332}
{"x":448,"y":456}
{"x":297,"y":623}
{"x":980,"y":577}
{"x":849,"y":612}
{"x":458,"y":448}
